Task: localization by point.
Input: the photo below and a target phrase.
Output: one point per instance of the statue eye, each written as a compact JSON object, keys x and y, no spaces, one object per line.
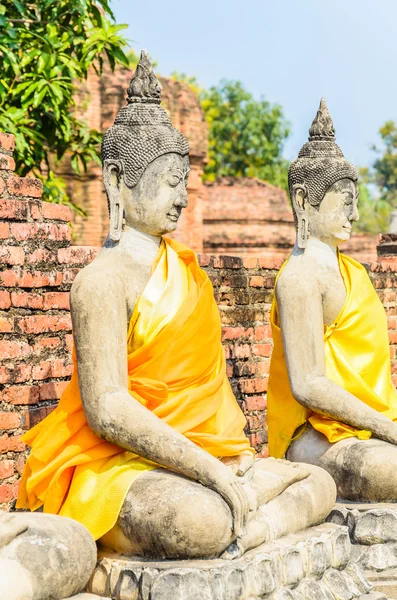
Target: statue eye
{"x":173,"y":180}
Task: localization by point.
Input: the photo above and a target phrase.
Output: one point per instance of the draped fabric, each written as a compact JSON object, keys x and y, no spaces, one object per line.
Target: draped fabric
{"x":357,"y":358}
{"x":176,"y":368}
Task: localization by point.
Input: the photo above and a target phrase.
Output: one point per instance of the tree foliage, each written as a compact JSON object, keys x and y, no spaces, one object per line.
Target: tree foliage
{"x":385,"y":167}
{"x":46,"y":46}
{"x":374,"y":211}
{"x":246,"y":136}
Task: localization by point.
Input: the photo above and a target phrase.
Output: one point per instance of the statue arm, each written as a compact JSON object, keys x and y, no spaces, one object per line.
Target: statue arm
{"x":301,"y":319}
{"x":100,"y":320}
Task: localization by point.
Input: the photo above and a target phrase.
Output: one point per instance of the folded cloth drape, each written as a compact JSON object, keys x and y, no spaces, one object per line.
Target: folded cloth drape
{"x":176,"y":368}
{"x":357,"y":358}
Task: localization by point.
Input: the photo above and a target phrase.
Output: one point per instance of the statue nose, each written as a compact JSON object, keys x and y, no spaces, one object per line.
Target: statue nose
{"x":181,"y":200}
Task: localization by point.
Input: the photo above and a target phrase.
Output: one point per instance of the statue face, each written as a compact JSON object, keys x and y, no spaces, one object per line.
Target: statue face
{"x":332,"y":221}
{"x":155,"y":204}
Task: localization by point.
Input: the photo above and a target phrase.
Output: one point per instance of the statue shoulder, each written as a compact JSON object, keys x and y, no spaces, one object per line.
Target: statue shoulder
{"x":297,"y":280}
{"x":98,"y":279}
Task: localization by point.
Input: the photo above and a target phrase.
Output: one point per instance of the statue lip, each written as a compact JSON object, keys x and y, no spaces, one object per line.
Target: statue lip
{"x":173,"y":215}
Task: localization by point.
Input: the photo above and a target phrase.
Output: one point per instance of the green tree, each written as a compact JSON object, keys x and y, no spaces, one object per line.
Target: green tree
{"x":46,"y":46}
{"x":246,"y":136}
{"x":385,"y":167}
{"x":374,"y":211}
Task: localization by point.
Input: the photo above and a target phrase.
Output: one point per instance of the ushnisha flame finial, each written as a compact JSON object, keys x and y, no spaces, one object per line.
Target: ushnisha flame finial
{"x":322,"y":127}
{"x":144,"y":85}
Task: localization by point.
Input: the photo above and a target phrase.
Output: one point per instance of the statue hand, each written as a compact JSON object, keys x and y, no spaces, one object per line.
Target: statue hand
{"x":240,"y":464}
{"x":227,"y":485}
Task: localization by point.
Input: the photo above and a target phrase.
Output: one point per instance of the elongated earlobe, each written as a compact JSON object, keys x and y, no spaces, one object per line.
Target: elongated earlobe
{"x":112,"y":178}
{"x":299,"y":201}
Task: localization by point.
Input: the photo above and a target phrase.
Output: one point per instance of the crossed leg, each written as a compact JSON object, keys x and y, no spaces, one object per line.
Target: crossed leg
{"x":363,"y":470}
{"x":166,"y":515}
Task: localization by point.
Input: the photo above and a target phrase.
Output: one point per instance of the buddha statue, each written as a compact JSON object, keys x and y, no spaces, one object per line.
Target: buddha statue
{"x":331,"y":401}
{"x":147,"y":448}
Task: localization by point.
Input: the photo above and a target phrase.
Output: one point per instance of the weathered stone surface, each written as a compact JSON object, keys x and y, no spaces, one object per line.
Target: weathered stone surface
{"x":305,"y":566}
{"x":376,"y":526}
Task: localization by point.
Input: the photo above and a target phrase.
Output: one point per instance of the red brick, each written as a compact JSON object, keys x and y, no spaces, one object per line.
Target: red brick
{"x":41,"y":231}
{"x":7,"y":469}
{"x":13,"y":209}
{"x":41,"y":255}
{"x":253,"y":386}
{"x":21,"y":394}
{"x":7,"y":162}
{"x":56,"y":211}
{"x":34,"y":209}
{"x":250,"y":262}
{"x":7,"y":324}
{"x":262,"y":368}
{"x":228,"y":262}
{"x":256,"y":281}
{"x":11,"y":443}
{"x":25,"y":186}
{"x":69,"y":342}
{"x":204,"y":260}
{"x":10,"y":420}
{"x":69,"y":275}
{"x":12,"y":373}
{"x":54,"y":300}
{"x":263,"y":332}
{"x":20,"y":463}
{"x":77,"y":255}
{"x":7,"y":142}
{"x":44,"y":323}
{"x":5,"y":300}
{"x":36,"y":415}
{"x":2,"y":186}
{"x":8,"y":491}
{"x":270,"y":262}
{"x":262,"y":349}
{"x":255,"y":402}
{"x":392,"y":337}
{"x":51,"y":368}
{"x":232,"y":333}
{"x":4,"y":231}
{"x":14,"y":349}
{"x":242,"y":350}
{"x":12,"y":255}
{"x":392,"y":322}
{"x":46,"y":343}
{"x":19,"y":277}
{"x":26,"y":300}
{"x":52,"y":390}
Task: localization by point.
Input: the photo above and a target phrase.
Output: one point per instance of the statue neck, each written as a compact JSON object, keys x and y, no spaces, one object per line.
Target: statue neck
{"x":319,"y":250}
{"x":142,"y":246}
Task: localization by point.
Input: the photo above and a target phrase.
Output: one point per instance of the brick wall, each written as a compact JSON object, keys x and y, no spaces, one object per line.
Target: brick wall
{"x":37,"y":268}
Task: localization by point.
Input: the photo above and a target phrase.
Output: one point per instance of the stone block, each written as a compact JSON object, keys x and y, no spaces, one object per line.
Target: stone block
{"x":376,"y":526}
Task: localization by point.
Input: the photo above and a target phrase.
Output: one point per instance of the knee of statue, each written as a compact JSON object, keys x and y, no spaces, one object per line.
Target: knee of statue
{"x":43,"y":556}
{"x":330,"y":386}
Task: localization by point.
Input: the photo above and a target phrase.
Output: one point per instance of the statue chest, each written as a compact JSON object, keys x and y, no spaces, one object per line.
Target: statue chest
{"x":333,"y":294}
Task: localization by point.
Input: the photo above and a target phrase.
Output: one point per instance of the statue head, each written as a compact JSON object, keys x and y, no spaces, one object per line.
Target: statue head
{"x":323,"y":186}
{"x":145,"y":161}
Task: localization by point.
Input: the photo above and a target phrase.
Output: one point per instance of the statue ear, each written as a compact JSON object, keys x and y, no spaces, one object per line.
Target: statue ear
{"x":112,"y":179}
{"x":300,"y":202}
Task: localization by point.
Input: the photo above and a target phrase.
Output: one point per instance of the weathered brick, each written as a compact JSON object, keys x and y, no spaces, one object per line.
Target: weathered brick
{"x":253,"y":386}
{"x":4,"y":231}
{"x":21,"y":299}
{"x":46,"y":343}
{"x":14,"y":349}
{"x":51,"y":368}
{"x":36,"y":415}
{"x":52,"y":390}
{"x":41,"y":255}
{"x":57,"y":232}
{"x":34,"y":209}
{"x":69,"y":342}
{"x":12,"y":255}
{"x":25,"y":186}
{"x":11,"y":443}
{"x":13,"y":209}
{"x":255,"y":403}
{"x":8,"y":491}
{"x":7,"y":469}
{"x":263,"y":332}
{"x":12,"y":373}
{"x":262,"y":349}
{"x":7,"y":324}
{"x":53,"y":300}
{"x":7,"y":162}
{"x":77,"y":255}
{"x":232,"y":333}
{"x":5,"y":300}
{"x":56,"y":212}
{"x":44,"y":323}
{"x":10,"y":420}
{"x":19,"y":277}
{"x":228,"y":262}
{"x":21,"y":394}
{"x":256,"y":281}
{"x":7,"y":142}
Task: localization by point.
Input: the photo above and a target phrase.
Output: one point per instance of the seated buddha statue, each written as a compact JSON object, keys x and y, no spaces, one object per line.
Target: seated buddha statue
{"x":331,"y":401}
{"x":147,"y":448}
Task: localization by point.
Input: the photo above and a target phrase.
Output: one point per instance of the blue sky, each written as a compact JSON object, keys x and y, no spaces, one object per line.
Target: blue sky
{"x":292,"y":52}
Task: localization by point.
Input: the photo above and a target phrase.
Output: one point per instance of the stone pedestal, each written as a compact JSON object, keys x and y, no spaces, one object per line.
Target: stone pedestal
{"x":310,"y":565}
{"x":373,"y":533}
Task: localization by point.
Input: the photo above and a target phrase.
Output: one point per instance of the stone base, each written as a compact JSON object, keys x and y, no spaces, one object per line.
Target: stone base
{"x":310,"y":565}
{"x":373,"y":533}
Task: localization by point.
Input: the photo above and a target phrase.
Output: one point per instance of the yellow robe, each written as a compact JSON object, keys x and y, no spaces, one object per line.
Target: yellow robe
{"x":176,"y":368}
{"x":357,"y":358}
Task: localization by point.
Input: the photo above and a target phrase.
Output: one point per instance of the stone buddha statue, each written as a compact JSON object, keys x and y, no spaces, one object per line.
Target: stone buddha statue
{"x":147,"y":448}
{"x":331,"y":401}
